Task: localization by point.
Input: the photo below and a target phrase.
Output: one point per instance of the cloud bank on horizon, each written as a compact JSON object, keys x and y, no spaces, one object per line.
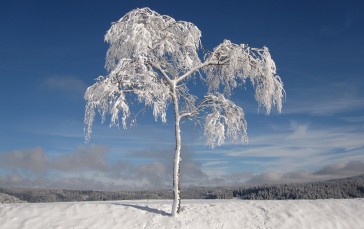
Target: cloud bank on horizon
{"x":88,"y":168}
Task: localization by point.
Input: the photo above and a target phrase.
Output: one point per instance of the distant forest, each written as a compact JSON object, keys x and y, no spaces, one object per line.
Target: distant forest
{"x":352,"y":187}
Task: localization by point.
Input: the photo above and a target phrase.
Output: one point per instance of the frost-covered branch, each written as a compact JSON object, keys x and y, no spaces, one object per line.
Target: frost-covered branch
{"x":223,"y":119}
{"x":164,"y":74}
{"x":105,"y":97}
{"x":193,"y":70}
{"x":240,"y":63}
{"x":143,"y":33}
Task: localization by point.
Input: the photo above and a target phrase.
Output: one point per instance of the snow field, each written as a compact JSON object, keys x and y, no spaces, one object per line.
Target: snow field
{"x":212,"y":214}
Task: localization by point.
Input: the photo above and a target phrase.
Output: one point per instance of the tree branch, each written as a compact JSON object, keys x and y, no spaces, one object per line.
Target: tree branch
{"x":206,"y":63}
{"x":163,"y":72}
{"x":187,"y":74}
{"x":189,"y":114}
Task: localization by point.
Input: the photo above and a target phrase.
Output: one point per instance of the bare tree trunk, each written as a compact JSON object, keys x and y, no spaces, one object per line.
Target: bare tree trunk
{"x":176,"y":207}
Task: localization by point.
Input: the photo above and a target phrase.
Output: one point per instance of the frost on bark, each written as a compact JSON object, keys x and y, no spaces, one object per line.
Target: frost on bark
{"x":153,"y":57}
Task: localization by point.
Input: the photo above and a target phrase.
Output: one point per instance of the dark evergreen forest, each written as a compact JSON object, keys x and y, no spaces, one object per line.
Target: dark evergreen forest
{"x":352,"y":187}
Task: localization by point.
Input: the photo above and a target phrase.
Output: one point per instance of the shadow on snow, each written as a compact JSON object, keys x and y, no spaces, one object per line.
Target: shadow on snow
{"x":146,"y":208}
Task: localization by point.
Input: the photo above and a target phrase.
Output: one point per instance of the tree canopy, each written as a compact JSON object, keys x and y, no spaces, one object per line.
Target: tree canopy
{"x":149,"y":52}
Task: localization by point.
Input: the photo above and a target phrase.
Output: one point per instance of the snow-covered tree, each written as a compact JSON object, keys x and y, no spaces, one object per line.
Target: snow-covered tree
{"x":152,"y":58}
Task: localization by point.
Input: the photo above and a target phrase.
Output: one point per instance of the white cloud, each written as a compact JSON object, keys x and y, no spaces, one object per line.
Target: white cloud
{"x":294,"y":146}
{"x":33,"y":160}
{"x":331,"y":171}
{"x":65,"y":84}
{"x":354,"y":119}
{"x":302,"y":139}
{"x":325,"y":100}
{"x":90,"y":166}
{"x":350,"y":168}
{"x":83,"y":158}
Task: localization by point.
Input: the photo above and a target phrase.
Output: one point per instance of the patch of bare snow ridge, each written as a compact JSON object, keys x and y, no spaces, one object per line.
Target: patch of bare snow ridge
{"x":229,"y":214}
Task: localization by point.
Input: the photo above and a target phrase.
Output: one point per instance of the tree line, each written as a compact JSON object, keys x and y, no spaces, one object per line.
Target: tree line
{"x":352,"y":187}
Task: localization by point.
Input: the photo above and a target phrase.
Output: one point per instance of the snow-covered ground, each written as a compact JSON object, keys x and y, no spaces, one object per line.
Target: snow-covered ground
{"x":196,"y":214}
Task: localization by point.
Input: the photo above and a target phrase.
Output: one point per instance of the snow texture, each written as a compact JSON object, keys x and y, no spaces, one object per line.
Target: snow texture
{"x":209,"y":214}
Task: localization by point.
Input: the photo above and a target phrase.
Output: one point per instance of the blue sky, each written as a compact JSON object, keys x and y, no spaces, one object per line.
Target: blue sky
{"x":51,"y":51}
